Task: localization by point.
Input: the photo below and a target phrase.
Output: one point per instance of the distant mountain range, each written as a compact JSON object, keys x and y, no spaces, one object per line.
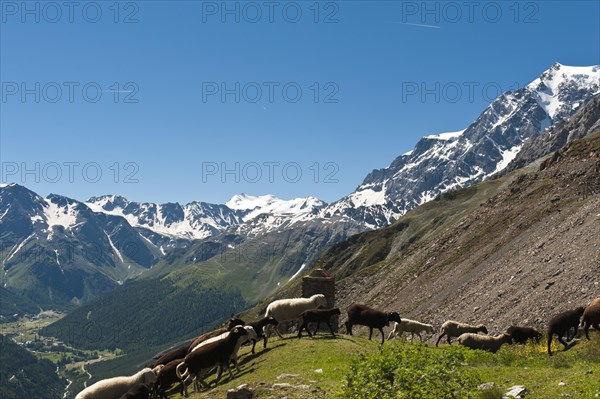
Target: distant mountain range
{"x":57,"y":251}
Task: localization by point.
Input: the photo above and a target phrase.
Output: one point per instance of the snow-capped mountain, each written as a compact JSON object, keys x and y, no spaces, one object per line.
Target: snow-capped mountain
{"x":267,"y":213}
{"x":199,"y":220}
{"x":196,"y":220}
{"x":447,"y":161}
{"x":57,"y":250}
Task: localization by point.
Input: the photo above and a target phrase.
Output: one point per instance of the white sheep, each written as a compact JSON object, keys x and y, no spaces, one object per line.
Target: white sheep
{"x":242,"y":340}
{"x":411,"y":326}
{"x":453,"y":329}
{"x":114,"y":388}
{"x":290,"y":309}
{"x":484,"y":342}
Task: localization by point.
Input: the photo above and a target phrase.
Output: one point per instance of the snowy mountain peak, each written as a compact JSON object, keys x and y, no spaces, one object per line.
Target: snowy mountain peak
{"x":558,"y":89}
{"x":447,"y":161}
{"x":270,"y":204}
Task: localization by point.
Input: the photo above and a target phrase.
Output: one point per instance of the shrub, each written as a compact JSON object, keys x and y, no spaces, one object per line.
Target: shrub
{"x":403,"y":371}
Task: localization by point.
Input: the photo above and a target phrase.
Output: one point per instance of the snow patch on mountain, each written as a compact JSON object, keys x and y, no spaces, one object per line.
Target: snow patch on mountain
{"x":445,"y":136}
{"x":270,"y":204}
{"x":56,"y":215}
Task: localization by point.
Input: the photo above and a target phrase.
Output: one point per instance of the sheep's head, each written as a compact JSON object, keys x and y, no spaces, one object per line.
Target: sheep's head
{"x":320,"y":300}
{"x":234,"y":322}
{"x":394,"y":316}
{"x":149,"y":377}
{"x":482,"y":328}
{"x":271,"y":320}
{"x":430,"y":329}
{"x":158,"y":368}
{"x":579,"y":311}
{"x":239,"y":331}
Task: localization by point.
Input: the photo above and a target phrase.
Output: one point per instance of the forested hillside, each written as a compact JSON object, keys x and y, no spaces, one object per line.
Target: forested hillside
{"x":22,"y":375}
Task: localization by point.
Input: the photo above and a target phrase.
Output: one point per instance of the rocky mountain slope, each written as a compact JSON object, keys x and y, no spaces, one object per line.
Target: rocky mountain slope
{"x":585,"y":121}
{"x":508,"y":251}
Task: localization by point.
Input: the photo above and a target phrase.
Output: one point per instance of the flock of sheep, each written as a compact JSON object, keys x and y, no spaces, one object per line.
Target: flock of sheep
{"x":218,"y":349}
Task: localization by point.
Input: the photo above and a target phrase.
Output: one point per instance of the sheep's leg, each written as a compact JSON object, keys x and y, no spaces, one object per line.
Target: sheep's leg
{"x":586,"y":328}
{"x":391,"y":335}
{"x":382,"y":335}
{"x":331,"y":329}
{"x":560,"y":339}
{"x":264,"y":342}
{"x":185,"y":382}
{"x":219,"y":372}
{"x":278,"y":333}
{"x":419,"y":335}
{"x":550,"y":344}
{"x":348,"y":328}
{"x":235,"y":362}
{"x":412,"y":337}
{"x":370,"y":332}
{"x":317,"y":329}
{"x":226,"y":366}
{"x":302,"y":327}
{"x":440,"y":338}
{"x":253,"y":345}
{"x":449,"y":339}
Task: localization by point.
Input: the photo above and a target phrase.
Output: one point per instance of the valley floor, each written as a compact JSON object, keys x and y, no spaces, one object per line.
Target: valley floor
{"x":318,"y":368}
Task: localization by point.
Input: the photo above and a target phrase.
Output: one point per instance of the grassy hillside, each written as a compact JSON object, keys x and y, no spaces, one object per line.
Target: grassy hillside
{"x":353,"y":367}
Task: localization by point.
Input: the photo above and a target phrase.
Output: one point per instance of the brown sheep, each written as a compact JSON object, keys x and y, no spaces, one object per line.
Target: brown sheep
{"x":218,"y":353}
{"x":177,"y":353}
{"x":211,"y":334}
{"x":591,"y":317}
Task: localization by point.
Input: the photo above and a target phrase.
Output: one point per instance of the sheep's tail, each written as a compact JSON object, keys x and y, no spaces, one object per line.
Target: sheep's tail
{"x":181,"y":375}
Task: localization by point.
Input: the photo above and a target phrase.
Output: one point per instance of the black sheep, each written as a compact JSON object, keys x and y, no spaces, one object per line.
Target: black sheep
{"x":258,"y":327}
{"x":561,"y":324}
{"x":167,"y":377}
{"x":317,"y":316}
{"x":520,"y":335}
{"x":366,"y":316}
{"x":138,"y":391}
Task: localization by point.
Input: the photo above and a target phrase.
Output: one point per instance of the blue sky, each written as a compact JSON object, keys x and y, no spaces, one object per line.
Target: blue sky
{"x":84,"y":92}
